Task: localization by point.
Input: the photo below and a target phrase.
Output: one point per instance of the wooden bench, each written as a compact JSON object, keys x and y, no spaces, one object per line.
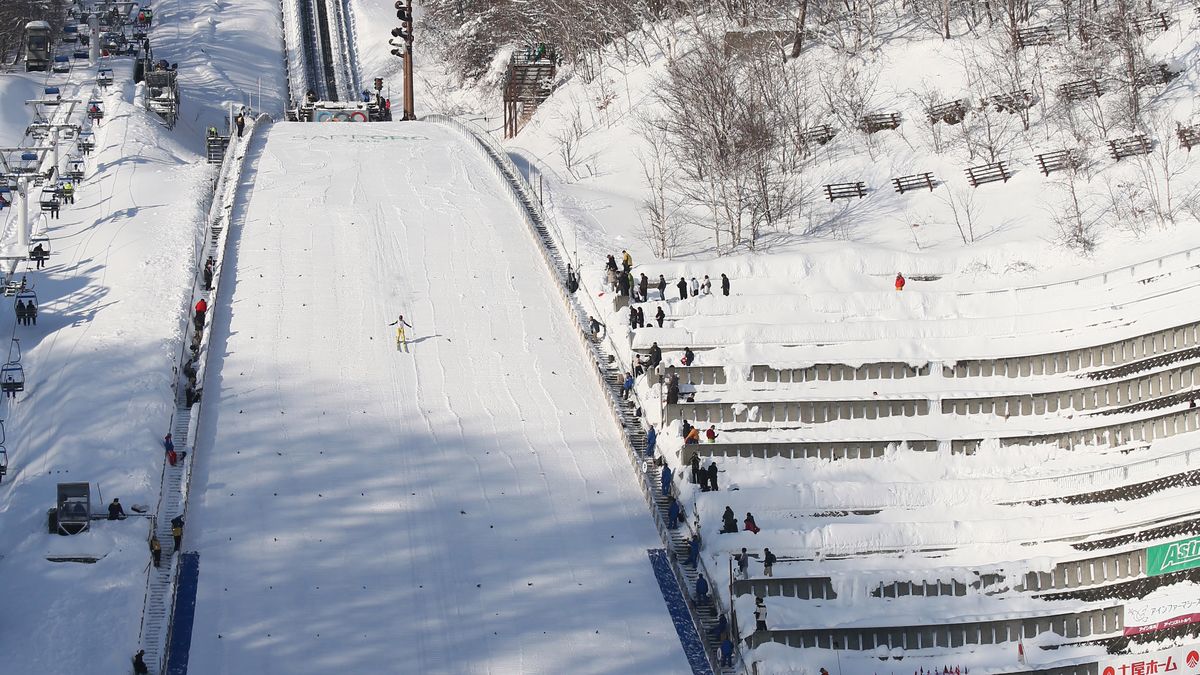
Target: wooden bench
{"x":1160,"y":21}
{"x":950,"y":113}
{"x":1057,"y":160}
{"x":1013,"y":101}
{"x":988,"y":173}
{"x":845,"y":190}
{"x":1153,"y":75}
{"x":879,"y":122}
{"x":1034,"y":36}
{"x":916,"y":181}
{"x":1130,"y":147}
{"x":1080,"y":90}
{"x":820,"y":134}
{"x":1188,"y":136}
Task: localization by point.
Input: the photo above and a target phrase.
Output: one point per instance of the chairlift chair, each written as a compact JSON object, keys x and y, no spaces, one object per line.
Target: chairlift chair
{"x":62,"y":64}
{"x":12,"y":378}
{"x":36,"y":255}
{"x":104,"y":78}
{"x":74,"y":170}
{"x":79,"y":54}
{"x":86,"y":142}
{"x":95,"y":109}
{"x":49,"y":199}
{"x":3,"y":453}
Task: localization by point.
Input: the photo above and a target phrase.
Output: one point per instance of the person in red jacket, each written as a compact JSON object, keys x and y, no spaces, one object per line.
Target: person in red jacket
{"x":749,"y":525}
{"x":201,"y":309}
{"x":899,"y":281}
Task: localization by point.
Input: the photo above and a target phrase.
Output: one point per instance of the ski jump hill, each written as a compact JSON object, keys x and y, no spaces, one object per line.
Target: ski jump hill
{"x":462,"y":507}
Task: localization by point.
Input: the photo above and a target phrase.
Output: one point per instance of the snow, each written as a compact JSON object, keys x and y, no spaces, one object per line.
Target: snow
{"x":498,"y":526}
{"x":496,"y":520}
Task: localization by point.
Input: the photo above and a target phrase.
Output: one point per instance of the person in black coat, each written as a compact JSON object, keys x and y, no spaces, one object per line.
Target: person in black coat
{"x":682,"y":286}
{"x":641,"y":317}
{"x":672,"y":394}
{"x":724,"y":285}
{"x":660,"y":315}
{"x":139,"y":663}
{"x":116,"y":511}
{"x":729,"y":522}
{"x":662,"y":288}
{"x":696,"y":468}
{"x":712,"y":477}
{"x":655,"y":355}
{"x":643,"y":286}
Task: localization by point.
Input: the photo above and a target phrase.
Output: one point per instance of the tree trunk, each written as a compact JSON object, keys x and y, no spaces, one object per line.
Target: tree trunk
{"x":798,"y":43}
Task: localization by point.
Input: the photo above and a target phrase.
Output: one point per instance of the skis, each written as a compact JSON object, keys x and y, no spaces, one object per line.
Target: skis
{"x":401,"y":340}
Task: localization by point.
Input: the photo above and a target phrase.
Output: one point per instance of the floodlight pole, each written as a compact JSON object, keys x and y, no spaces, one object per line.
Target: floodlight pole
{"x":409,"y":112}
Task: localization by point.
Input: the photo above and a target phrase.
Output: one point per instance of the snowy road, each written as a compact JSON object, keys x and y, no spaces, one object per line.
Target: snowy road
{"x":463,"y":508}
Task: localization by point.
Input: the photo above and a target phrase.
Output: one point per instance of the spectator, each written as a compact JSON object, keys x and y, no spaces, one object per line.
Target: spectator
{"x":610,"y":278}
{"x":711,"y":434}
{"x":643,"y":286}
{"x":729,"y":522}
{"x":240,"y":123}
{"x":596,"y":326}
{"x":718,"y":632}
{"x":682,"y":286}
{"x":695,"y":287}
{"x":155,"y":551}
{"x":768,"y":562}
{"x":706,"y":285}
{"x":672,"y":513}
{"x":696,"y":468}
{"x":672,"y":393}
{"x":712,"y":476}
{"x":611,"y":264}
{"x":626,"y":261}
{"x":641,"y":317}
{"x":666,"y":481}
{"x":208,"y":274}
{"x":651,"y":440}
{"x":662,"y":287}
{"x":724,"y":284}
{"x":139,"y":663}
{"x":693,"y":550}
{"x":750,"y":525}
{"x":655,"y":355}
{"x":627,"y":386}
{"x":899,"y":281}
{"x":689,"y":357}
{"x":660,"y":315}
{"x":116,"y":511}
{"x":743,"y":563}
{"x":684,"y":426}
{"x":760,"y":614}
{"x":177,"y":531}
{"x":201,"y":310}
{"x":726,"y":653}
{"x":693,"y":437}
{"x":701,"y":590}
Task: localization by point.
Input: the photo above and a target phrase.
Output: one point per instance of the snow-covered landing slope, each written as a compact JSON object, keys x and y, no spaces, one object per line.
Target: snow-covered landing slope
{"x":463,"y":508}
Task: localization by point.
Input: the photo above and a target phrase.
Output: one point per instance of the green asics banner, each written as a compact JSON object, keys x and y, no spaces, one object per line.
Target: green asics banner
{"x":1173,"y":557}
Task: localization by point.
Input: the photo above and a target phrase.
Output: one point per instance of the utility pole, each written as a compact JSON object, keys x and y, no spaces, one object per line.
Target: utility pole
{"x":404,"y":50}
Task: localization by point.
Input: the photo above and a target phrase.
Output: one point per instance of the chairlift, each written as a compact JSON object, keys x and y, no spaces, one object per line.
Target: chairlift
{"x":49,"y":199}
{"x":12,"y":378}
{"x":105,"y":77}
{"x":95,"y":110}
{"x":79,"y":54}
{"x":74,"y":170}
{"x":86,"y":142}
{"x":39,"y":251}
{"x":3,"y":453}
{"x":27,"y":295}
{"x":62,"y":64}
{"x":52,"y":91}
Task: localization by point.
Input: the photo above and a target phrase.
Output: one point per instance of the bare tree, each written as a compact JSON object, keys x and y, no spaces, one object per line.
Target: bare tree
{"x":960,"y":199}
{"x":664,"y":232}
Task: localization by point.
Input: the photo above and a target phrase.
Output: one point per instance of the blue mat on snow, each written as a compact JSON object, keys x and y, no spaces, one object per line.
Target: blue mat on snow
{"x":693,"y":646}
